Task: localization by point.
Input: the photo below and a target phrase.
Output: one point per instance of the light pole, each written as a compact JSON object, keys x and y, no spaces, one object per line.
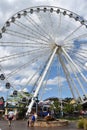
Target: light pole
{"x":61,"y":107}
{"x":36,"y":100}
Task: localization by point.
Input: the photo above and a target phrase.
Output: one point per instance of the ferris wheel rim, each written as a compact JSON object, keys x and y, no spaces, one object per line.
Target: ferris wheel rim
{"x":62,"y":10}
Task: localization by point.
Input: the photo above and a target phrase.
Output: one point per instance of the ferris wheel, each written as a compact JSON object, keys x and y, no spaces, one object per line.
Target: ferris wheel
{"x":42,"y":44}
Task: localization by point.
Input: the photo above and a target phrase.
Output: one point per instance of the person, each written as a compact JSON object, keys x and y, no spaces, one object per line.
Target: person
{"x":35,"y":114}
{"x":52,"y":113}
{"x":32,"y":119}
{"x":10,"y":117}
{"x":29,"y":119}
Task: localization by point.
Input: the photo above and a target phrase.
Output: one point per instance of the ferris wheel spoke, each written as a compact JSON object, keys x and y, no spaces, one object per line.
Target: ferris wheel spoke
{"x":71,"y":79}
{"x":37,"y":26}
{"x":30,"y":30}
{"x":59,"y":82}
{"x":81,"y":46}
{"x":21,"y":36}
{"x":38,"y":79}
{"x":42,"y":78}
{"x":44,"y":85}
{"x":51,"y":25}
{"x":66,"y":74}
{"x":72,"y":67}
{"x":21,"y":54}
{"x":79,"y":62}
{"x":36,"y":58}
{"x":48,"y":25}
{"x":76,"y":38}
{"x":45,"y":24}
{"x":39,"y":69}
{"x":81,"y":65}
{"x":23,"y":44}
{"x":60,"y":22}
{"x":25,"y":36}
{"x":74,"y":64}
{"x":72,"y":33}
{"x":79,"y":56}
{"x":81,"y":53}
{"x":18,"y":69}
{"x":45,"y":81}
{"x":59,"y":25}
{"x":31,"y":78}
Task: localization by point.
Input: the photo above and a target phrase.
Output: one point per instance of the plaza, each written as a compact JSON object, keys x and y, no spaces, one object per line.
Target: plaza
{"x":22,"y":125}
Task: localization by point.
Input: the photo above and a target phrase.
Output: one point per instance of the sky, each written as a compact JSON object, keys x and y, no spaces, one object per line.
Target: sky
{"x":7,"y":9}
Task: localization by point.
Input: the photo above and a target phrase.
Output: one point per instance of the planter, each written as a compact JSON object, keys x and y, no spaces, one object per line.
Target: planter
{"x":43,"y":123}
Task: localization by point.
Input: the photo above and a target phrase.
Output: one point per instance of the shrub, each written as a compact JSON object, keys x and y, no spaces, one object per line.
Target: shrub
{"x":80,"y":117}
{"x":80,"y":123}
{"x":85,"y":124}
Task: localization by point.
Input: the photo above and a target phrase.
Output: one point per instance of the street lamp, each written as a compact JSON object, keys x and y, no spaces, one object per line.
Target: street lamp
{"x":36,"y":100}
{"x":61,"y":107}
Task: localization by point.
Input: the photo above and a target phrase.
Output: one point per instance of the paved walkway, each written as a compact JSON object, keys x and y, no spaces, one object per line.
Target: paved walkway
{"x":22,"y":125}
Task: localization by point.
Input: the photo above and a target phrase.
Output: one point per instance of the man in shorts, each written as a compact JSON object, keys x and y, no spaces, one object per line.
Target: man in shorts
{"x":10,"y":117}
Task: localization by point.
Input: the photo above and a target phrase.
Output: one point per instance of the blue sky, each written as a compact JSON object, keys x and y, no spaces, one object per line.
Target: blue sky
{"x":55,"y":84}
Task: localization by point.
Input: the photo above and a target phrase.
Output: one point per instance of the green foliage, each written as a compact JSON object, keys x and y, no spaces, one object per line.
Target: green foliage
{"x":82,"y":123}
{"x":68,"y":108}
{"x":85,"y":124}
{"x":55,"y":105}
{"x":78,"y":107}
{"x":21,"y":106}
{"x":68,"y":100}
{"x":18,"y":99}
{"x":21,"y":112}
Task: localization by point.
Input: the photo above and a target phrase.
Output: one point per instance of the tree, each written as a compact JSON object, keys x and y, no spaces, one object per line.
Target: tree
{"x":68,"y":108}
{"x":78,"y":107}
{"x":55,"y":105}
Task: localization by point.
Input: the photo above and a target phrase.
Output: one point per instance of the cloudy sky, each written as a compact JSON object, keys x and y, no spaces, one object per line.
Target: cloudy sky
{"x":10,"y":7}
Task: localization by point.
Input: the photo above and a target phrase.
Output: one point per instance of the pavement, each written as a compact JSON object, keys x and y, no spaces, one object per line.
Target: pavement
{"x":22,"y":125}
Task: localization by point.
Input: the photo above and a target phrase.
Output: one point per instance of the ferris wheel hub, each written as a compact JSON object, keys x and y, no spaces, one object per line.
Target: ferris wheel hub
{"x":60,"y":43}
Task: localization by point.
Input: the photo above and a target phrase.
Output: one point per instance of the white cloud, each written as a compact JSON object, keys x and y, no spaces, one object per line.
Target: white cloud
{"x":86,"y":64}
{"x":3,"y":89}
{"x":56,"y":81}
{"x":48,"y":88}
{"x":11,"y":1}
{"x":25,"y":90}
